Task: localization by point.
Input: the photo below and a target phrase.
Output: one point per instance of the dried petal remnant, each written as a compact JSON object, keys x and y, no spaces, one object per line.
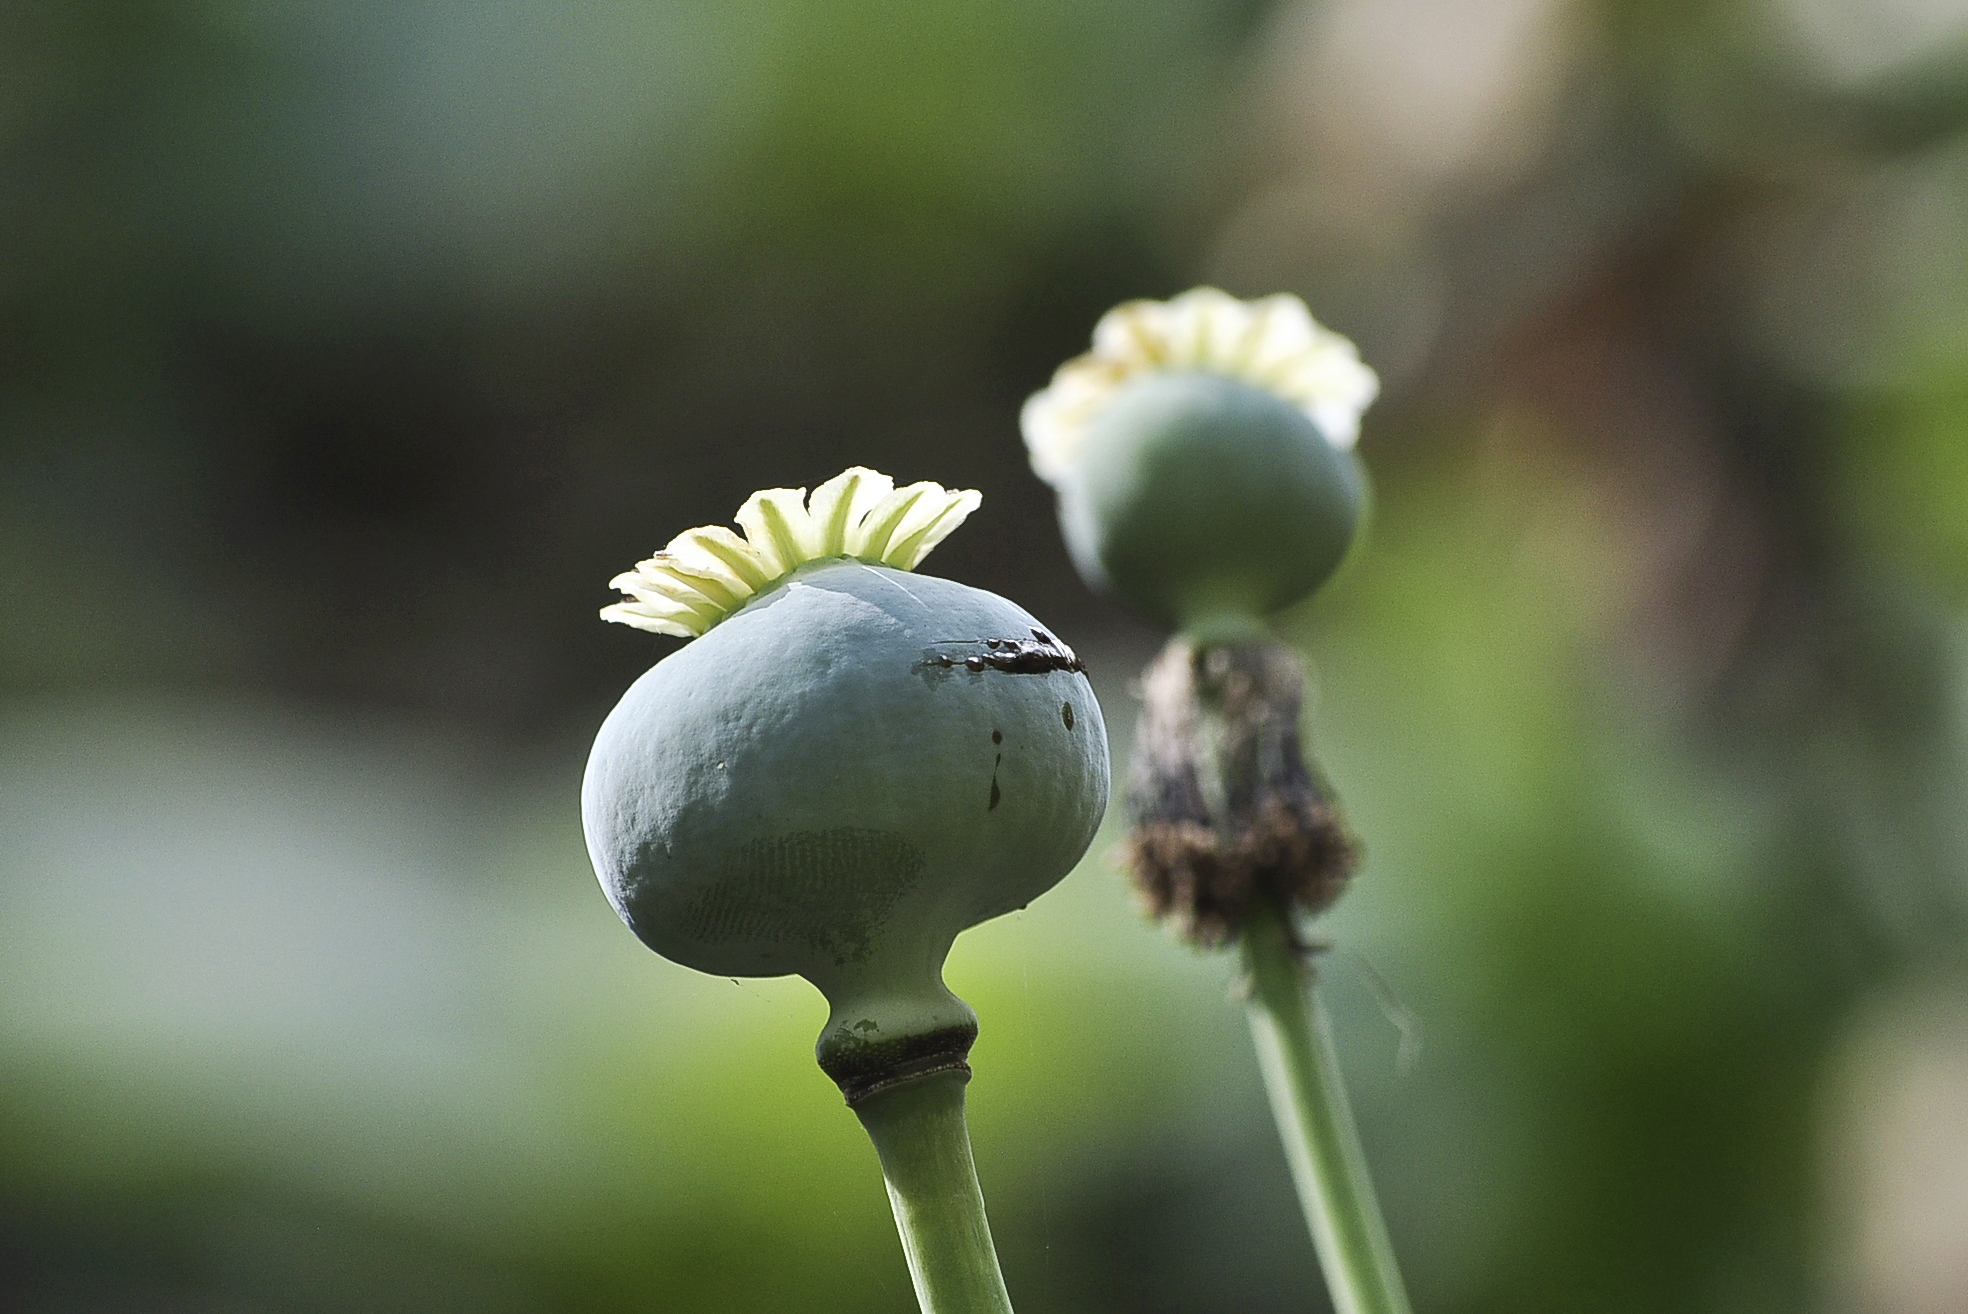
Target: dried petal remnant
{"x":1226,"y":815}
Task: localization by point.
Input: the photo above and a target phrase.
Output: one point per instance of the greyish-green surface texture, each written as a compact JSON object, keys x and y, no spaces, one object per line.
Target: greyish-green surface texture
{"x":823,"y":785}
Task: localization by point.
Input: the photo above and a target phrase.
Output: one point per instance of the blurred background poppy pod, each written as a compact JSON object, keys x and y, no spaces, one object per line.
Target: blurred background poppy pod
{"x":1202,"y":456}
{"x":1204,"y":502}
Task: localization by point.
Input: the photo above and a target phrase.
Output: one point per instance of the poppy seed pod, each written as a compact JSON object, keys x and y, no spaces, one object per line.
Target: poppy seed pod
{"x":848,"y":768}
{"x":1202,"y":457}
{"x":1172,"y":461}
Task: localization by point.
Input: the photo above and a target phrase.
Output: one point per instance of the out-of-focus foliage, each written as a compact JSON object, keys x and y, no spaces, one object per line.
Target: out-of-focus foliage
{"x":352,"y":347}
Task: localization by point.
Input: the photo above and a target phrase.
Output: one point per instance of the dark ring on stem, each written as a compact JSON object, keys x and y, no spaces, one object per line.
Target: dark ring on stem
{"x":862,"y":1068}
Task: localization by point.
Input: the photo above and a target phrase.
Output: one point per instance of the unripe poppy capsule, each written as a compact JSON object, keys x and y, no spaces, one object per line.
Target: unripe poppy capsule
{"x":1202,"y":456}
{"x":848,"y":768}
{"x":1199,"y":500}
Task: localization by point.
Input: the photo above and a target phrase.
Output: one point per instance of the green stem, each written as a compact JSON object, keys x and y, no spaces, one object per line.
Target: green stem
{"x":918,"y":1130}
{"x":1301,"y":1071}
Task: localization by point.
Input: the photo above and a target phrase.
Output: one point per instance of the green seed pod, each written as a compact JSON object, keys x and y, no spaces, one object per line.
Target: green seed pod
{"x":1178,"y":459}
{"x":846,"y":770}
{"x":1202,"y":457}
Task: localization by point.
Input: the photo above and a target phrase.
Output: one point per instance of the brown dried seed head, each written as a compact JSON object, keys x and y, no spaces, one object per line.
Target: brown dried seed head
{"x":1227,"y":816}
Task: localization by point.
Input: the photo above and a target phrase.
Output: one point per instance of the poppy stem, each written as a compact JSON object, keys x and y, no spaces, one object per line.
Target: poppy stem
{"x":919,"y":1131}
{"x":1322,"y":1145}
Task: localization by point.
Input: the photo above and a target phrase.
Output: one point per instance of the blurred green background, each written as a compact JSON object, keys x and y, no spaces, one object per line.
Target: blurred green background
{"x":349,"y":348}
